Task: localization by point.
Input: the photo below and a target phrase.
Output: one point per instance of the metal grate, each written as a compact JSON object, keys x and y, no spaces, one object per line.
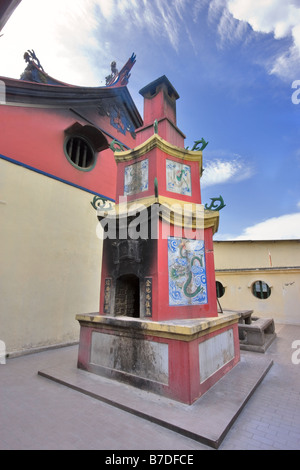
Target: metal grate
{"x":80,"y":152}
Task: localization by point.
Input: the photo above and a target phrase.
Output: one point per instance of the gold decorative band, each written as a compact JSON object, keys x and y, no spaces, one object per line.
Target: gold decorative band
{"x":174,"y":211}
{"x":157,"y":142}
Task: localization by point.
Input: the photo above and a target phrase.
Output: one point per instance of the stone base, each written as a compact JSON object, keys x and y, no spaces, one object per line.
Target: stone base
{"x":179,"y":359}
{"x":258,"y":348}
{"x":207,"y":420}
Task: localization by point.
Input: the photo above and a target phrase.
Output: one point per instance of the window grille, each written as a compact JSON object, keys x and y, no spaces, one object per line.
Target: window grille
{"x":80,"y":153}
{"x":261,"y":290}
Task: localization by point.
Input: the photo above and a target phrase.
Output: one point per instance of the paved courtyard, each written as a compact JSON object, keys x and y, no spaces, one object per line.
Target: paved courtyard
{"x":37,"y":413}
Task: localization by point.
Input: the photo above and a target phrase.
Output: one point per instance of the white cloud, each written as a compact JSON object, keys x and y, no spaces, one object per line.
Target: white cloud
{"x":197,"y":8}
{"x":229,"y":29}
{"x":287,"y":65}
{"x":108,"y":8}
{"x":69,"y":35}
{"x":57,"y":31}
{"x":169,"y":19}
{"x":215,"y":9}
{"x":278,"y":17}
{"x":220,"y":171}
{"x":283,"y":227}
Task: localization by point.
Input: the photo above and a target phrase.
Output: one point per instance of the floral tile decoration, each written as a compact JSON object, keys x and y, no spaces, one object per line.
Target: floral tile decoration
{"x":179,"y":178}
{"x":136,"y":178}
{"x":187,"y":274}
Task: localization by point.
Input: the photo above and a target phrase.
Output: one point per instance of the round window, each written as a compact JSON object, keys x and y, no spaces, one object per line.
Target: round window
{"x":220,"y":289}
{"x":80,"y":153}
{"x":261,"y":290}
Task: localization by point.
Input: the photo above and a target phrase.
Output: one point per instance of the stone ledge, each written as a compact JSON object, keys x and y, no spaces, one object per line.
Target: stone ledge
{"x":186,"y":330}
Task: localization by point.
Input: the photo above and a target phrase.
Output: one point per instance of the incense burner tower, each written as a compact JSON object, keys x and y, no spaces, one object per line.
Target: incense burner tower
{"x":158,"y":326}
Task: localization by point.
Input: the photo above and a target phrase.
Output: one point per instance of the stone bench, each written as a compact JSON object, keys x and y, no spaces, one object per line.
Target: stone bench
{"x":257,"y":335}
{"x":245,"y":317}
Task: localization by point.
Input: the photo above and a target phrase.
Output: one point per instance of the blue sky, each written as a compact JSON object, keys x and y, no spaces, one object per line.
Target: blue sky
{"x":235,"y":65}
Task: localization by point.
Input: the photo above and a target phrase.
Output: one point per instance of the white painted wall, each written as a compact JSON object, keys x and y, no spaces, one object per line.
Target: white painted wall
{"x":50,"y":259}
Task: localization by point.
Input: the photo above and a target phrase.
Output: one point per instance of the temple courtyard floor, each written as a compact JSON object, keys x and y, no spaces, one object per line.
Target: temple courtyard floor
{"x":46,"y":403}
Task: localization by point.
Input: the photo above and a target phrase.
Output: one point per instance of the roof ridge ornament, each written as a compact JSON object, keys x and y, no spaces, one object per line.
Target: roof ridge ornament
{"x":197,"y":143}
{"x":31,"y":72}
{"x":34,"y":72}
{"x":121,"y":78}
{"x":214,"y":206}
{"x":30,"y":56}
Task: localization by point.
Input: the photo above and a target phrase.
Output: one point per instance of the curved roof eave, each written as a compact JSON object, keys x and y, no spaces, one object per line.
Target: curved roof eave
{"x":27,"y":93}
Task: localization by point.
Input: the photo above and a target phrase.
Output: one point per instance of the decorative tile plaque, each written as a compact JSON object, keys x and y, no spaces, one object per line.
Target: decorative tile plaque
{"x":187,"y":273}
{"x":136,"y":178}
{"x":178,"y":178}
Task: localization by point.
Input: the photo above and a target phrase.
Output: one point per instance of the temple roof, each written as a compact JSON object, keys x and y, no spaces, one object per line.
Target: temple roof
{"x":36,"y":88}
{"x":34,"y":72}
{"x":23,"y":93}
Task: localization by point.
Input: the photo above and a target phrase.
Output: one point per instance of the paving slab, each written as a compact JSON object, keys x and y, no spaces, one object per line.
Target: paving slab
{"x":207,"y":420}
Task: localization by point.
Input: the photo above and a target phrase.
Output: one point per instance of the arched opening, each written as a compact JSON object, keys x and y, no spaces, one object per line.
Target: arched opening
{"x":127,"y":300}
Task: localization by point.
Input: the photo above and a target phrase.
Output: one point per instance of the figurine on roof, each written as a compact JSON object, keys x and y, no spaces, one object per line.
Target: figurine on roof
{"x":31,"y":72}
{"x":120,"y":78}
{"x":114,"y":72}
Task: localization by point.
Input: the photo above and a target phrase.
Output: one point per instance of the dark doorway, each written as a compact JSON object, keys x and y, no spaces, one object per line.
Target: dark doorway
{"x":128,"y":296}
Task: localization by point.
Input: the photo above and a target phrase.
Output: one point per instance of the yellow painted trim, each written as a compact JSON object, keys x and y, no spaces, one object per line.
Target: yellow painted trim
{"x":185,"y":330}
{"x":211,"y":219}
{"x":258,"y":271}
{"x":157,"y":142}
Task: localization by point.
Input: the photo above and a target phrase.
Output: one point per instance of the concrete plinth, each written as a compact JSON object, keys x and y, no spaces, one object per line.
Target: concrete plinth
{"x":179,"y":359}
{"x":207,"y":420}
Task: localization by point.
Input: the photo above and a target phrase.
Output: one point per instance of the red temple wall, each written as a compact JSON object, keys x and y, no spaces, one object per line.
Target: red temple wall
{"x":35,"y":137}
